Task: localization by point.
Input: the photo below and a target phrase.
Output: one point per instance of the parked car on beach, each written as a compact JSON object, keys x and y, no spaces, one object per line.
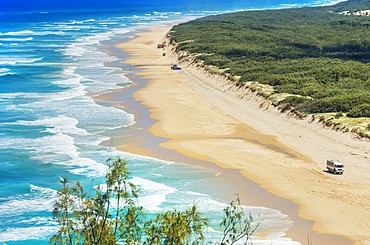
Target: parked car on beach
{"x":175,"y":67}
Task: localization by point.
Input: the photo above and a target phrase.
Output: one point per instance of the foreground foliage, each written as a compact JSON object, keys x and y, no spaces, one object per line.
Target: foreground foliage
{"x":313,"y":52}
{"x":112,"y":216}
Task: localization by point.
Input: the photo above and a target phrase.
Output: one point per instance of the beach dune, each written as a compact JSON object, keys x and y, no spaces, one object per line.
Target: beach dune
{"x":206,"y":117}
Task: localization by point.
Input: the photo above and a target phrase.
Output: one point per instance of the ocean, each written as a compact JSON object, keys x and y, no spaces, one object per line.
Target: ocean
{"x":54,"y":57}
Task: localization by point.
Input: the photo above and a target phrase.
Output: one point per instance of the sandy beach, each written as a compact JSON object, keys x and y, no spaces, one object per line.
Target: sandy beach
{"x":206,"y":117}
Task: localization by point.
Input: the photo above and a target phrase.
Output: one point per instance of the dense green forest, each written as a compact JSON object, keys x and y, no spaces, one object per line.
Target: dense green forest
{"x":314,"y":52}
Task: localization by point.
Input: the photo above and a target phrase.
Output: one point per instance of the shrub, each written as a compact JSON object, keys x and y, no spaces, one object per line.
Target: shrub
{"x":338,"y":115}
{"x":360,"y":111}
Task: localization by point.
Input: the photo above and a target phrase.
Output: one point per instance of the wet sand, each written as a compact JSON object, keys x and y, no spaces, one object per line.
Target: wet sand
{"x":205,"y":120}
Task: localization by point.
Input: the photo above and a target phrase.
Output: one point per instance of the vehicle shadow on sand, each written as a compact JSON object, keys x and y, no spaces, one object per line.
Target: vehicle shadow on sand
{"x":329,"y":172}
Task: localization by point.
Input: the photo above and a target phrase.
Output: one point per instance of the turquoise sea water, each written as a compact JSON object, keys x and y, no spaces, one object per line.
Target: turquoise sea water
{"x":53,"y":59}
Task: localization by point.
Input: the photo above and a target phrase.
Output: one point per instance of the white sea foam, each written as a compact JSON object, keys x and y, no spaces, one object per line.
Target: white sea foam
{"x":153,"y":194}
{"x":76,"y":91}
{"x":59,"y":144}
{"x":17,"y":50}
{"x":38,"y":220}
{"x":17,"y":60}
{"x":46,"y":191}
{"x":16,"y":33}
{"x":21,"y":95}
{"x":16,"y":39}
{"x":4,"y":71}
{"x":86,"y":166}
{"x":45,"y":64}
{"x":69,"y":82}
{"x":30,"y":33}
{"x":67,"y":138}
{"x":269,"y":241}
{"x":54,"y":147}
{"x":53,"y":144}
{"x":44,"y":99}
{"x":82,"y":45}
{"x":57,"y":125}
{"x":53,"y":45}
{"x":68,"y":28}
{"x":44,"y":33}
{"x":28,"y":233}
{"x":38,"y":199}
{"x":72,"y":22}
{"x":86,"y":44}
{"x":145,"y":159}
{"x":70,"y":71}
{"x":108,"y":23}
{"x":74,"y":104}
{"x":89,"y":63}
{"x":204,"y":203}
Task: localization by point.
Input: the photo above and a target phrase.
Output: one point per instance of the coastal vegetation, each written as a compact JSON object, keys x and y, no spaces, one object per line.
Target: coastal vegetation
{"x":113,"y":216}
{"x":318,"y":57}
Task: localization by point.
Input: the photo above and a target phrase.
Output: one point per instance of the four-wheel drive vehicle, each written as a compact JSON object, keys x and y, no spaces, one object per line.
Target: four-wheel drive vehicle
{"x":335,"y":166}
{"x":175,"y":67}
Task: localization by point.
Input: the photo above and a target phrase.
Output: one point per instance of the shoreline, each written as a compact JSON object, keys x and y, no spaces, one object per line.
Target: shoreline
{"x":217,"y":137}
{"x":246,"y":188}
